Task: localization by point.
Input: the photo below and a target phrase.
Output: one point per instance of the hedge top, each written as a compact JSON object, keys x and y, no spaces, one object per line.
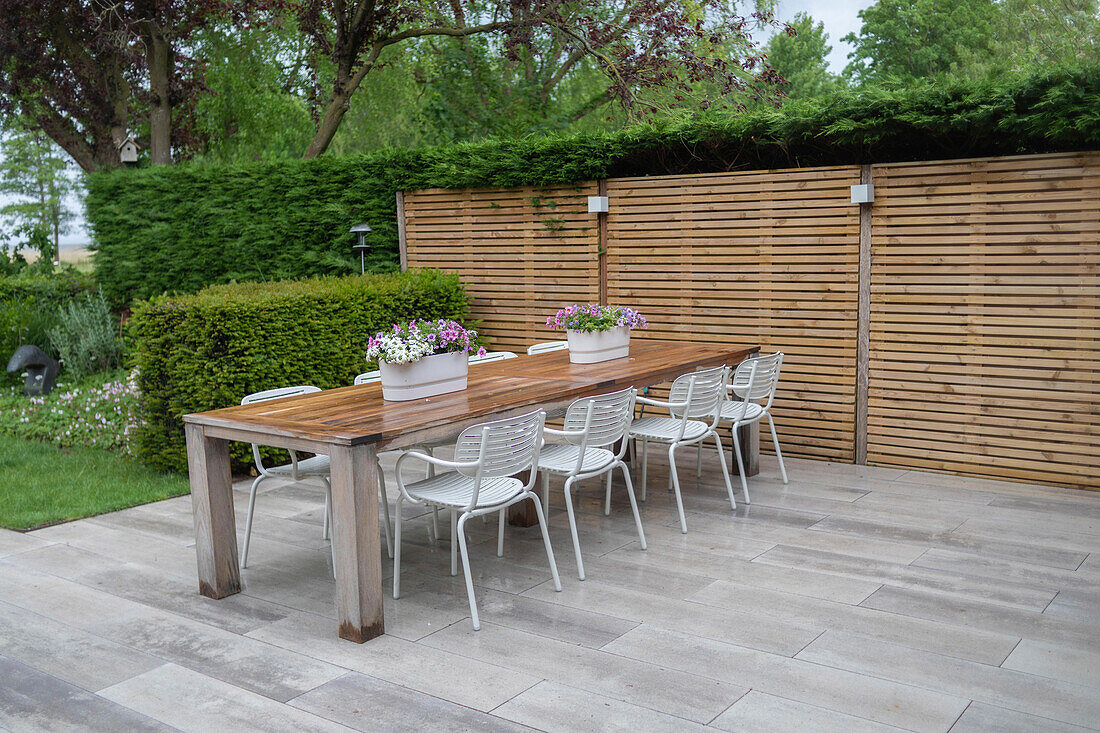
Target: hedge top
{"x":184,"y":227}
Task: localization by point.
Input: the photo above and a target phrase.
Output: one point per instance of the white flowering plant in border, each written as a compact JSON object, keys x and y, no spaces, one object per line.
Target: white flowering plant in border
{"x":407,"y":343}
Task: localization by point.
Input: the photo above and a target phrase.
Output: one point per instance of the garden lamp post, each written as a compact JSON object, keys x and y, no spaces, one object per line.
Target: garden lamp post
{"x":361,"y":230}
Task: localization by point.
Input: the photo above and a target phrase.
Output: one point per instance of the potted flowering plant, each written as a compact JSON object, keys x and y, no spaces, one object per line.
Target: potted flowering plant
{"x":422,"y":358}
{"x":597,"y":332}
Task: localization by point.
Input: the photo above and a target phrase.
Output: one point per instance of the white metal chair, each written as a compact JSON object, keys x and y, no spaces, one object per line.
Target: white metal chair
{"x":297,"y":470}
{"x":492,"y":356}
{"x":547,"y":346}
{"x":368,"y":377}
{"x":480,"y":481}
{"x":754,"y":380}
{"x":693,"y":405}
{"x":593,"y":425}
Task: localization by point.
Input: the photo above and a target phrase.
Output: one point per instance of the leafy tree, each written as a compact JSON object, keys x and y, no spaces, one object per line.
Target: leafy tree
{"x":799,"y":55}
{"x":911,"y":39}
{"x":636,"y":44}
{"x":38,"y":177}
{"x":253,"y":103}
{"x":81,"y":69}
{"x":1029,"y":33}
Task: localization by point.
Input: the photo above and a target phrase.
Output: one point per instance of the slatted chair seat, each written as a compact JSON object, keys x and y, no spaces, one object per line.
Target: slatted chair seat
{"x":315,"y":466}
{"x":731,"y":410}
{"x":479,"y":481}
{"x":592,"y":426}
{"x":453,"y":490}
{"x":754,"y":379}
{"x":562,"y":459}
{"x":667,"y":429}
{"x":693,"y":407}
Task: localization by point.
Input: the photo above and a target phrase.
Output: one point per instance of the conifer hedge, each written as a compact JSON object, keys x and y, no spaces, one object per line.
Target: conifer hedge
{"x":183,"y":227}
{"x":208,"y":350}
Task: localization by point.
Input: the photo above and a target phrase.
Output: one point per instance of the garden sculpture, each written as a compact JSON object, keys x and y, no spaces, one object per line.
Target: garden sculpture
{"x":41,"y":371}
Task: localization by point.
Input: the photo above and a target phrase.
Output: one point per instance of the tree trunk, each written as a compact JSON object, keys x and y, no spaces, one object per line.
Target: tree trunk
{"x":158,"y":55}
{"x":328,"y":124}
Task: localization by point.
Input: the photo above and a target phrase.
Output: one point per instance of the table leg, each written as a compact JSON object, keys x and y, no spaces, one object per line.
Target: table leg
{"x":212,"y":504}
{"x":749,"y":435}
{"x":356,"y":545}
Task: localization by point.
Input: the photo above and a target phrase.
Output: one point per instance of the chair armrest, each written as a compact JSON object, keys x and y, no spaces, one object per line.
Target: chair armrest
{"x":659,"y":403}
{"x":432,"y":459}
{"x":563,"y":433}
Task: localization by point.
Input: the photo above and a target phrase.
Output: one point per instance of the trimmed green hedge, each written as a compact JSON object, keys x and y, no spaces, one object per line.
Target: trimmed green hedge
{"x":180,"y":228}
{"x":205,"y":351}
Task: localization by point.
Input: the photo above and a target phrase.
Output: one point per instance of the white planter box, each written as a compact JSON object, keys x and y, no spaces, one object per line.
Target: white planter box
{"x":589,"y":347}
{"x":431,"y":375}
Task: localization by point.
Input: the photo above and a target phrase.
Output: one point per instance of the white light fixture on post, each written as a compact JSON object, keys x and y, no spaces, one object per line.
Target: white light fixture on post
{"x":864,"y":193}
{"x":597,"y":204}
{"x":361,"y":230}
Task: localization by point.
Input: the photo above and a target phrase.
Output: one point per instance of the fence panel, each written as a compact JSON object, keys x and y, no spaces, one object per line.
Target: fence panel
{"x":521,"y":252}
{"x":765,"y":257}
{"x":985,"y":318}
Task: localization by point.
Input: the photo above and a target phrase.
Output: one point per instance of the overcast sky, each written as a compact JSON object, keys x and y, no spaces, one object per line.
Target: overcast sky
{"x":840,"y":18}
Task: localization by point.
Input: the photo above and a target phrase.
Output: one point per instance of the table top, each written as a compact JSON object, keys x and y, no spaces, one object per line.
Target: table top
{"x":356,"y":415}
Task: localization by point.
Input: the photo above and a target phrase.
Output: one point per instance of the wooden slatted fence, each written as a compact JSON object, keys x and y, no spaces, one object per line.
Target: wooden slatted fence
{"x":763,"y":257}
{"x":521,"y":252}
{"x":985,"y":318}
{"x":983,"y":312}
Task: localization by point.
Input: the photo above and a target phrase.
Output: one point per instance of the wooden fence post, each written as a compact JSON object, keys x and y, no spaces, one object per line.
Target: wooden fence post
{"x":401,"y":244}
{"x":863,"y":323}
{"x":601,"y":247}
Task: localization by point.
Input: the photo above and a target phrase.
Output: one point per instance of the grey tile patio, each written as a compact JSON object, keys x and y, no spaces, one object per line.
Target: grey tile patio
{"x":852,"y":599}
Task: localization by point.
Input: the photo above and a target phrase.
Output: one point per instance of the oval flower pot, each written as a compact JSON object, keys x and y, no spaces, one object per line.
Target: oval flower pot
{"x":430,"y":375}
{"x":590,"y":347}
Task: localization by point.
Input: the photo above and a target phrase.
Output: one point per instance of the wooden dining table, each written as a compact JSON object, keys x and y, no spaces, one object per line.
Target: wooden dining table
{"x":352,"y":424}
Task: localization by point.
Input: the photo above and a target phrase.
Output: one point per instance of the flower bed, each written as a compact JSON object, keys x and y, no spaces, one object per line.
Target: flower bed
{"x":101,"y":412}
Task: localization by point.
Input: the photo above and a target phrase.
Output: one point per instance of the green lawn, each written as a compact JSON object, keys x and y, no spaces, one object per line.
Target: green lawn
{"x":41,"y":484}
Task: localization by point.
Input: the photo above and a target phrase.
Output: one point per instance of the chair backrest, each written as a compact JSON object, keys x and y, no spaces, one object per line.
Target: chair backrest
{"x":610,"y":417}
{"x":369,"y":377}
{"x":492,"y":356}
{"x":278,"y":393}
{"x":502,"y":447}
{"x":756,"y":378}
{"x":546,"y":346}
{"x":702,"y":390}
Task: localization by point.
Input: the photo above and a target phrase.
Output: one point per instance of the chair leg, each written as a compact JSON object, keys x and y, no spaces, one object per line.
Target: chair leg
{"x":328,"y":522}
{"x":725,"y":473}
{"x":546,"y":542}
{"x":676,"y":486}
{"x":607,"y":499}
{"x":645,"y":463}
{"x":454,"y":542}
{"x":325,"y":534}
{"x":433,"y":530}
{"x":699,"y":461}
{"x":248,"y":520}
{"x":500,"y":534}
{"x":386,"y":525}
{"x":460,"y":529}
{"x":397,"y":551}
{"x":573,"y":526}
{"x":740,"y":464}
{"x":778,"y":453}
{"x":633,"y":505}
{"x":546,"y":492}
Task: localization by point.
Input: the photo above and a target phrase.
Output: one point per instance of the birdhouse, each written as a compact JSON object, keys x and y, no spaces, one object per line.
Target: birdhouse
{"x":128,"y":150}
